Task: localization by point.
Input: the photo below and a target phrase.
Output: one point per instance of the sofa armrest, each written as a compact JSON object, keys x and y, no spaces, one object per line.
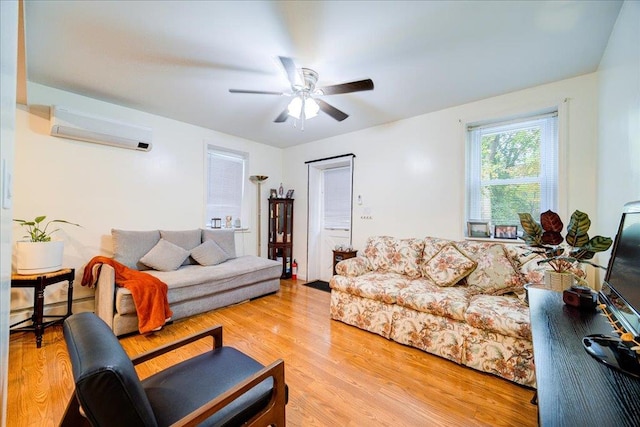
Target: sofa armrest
{"x":353,"y":267}
{"x":106,"y":294}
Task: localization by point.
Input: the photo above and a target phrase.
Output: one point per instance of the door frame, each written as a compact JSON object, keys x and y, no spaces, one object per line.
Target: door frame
{"x":314,"y":206}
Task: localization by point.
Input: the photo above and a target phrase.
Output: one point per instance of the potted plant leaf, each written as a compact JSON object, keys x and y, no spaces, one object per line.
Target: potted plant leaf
{"x":39,"y":254}
{"x":545,"y":238}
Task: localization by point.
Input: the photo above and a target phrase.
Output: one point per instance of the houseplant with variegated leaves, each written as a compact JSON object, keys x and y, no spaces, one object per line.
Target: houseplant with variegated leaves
{"x":545,"y":238}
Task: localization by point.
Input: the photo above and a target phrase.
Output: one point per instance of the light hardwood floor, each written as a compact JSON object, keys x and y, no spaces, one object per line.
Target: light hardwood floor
{"x":337,"y":374}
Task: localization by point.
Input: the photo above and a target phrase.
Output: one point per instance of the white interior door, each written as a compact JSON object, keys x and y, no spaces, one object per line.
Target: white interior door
{"x":330,"y":185}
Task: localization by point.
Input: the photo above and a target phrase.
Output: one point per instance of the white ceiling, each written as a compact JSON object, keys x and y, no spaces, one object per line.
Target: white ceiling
{"x":178,"y":59}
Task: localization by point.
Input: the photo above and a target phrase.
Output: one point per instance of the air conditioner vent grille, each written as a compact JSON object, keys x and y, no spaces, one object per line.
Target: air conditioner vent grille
{"x":67,"y":123}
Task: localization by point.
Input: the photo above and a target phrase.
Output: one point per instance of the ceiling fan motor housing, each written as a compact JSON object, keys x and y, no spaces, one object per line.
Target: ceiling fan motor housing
{"x":310,"y":79}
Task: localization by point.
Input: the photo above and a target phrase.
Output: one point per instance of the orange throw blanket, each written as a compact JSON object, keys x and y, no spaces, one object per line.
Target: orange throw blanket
{"x":149,"y":293}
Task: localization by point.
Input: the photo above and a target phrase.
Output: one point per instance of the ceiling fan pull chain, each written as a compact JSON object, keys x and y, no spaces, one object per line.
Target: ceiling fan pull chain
{"x":302,"y":115}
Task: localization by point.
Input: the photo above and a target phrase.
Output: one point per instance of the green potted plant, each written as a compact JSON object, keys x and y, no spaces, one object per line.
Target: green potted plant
{"x":38,"y":253}
{"x":546,"y":239}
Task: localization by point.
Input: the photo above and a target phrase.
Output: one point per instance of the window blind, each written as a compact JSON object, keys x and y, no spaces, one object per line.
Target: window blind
{"x":337,"y":198}
{"x":225,"y":184}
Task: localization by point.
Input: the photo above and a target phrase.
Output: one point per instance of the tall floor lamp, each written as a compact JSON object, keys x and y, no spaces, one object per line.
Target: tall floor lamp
{"x":258,"y":179}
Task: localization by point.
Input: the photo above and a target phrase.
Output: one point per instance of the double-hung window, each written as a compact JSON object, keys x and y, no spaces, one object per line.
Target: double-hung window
{"x":512,"y":167}
{"x":225,"y":184}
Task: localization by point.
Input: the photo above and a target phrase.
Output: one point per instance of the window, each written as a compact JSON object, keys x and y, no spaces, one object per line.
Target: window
{"x":225,"y":184}
{"x":337,"y":198}
{"x":512,"y":167}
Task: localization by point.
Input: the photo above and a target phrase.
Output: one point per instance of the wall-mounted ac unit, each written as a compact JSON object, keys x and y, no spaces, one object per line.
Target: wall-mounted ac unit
{"x":66,"y":123}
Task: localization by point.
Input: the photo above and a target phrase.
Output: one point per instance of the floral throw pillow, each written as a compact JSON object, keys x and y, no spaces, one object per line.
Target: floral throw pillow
{"x":448,"y":266}
{"x":525,"y":262}
{"x":494,"y":271}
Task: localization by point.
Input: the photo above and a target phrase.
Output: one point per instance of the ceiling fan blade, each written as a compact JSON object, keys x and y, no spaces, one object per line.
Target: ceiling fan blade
{"x":282,"y":117}
{"x":331,"y":110}
{"x":356,"y":86}
{"x":292,"y":73}
{"x":260,"y":92}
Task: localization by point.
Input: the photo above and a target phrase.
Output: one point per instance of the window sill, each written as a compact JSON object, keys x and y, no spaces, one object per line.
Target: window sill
{"x":493,"y":239}
{"x":237,"y":230}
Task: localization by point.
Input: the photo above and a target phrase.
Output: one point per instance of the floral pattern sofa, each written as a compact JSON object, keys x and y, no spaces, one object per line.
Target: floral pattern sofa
{"x":463,"y":301}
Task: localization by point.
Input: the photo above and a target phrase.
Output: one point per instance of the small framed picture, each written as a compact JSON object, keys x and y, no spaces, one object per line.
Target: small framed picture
{"x":478,"y":229}
{"x":273,"y":193}
{"x":290,"y":194}
{"x":506,"y":232}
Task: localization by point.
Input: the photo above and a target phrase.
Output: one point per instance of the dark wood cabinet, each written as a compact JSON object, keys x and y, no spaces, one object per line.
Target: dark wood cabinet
{"x":342,"y":255}
{"x":281,"y":233}
{"x":574,"y":389}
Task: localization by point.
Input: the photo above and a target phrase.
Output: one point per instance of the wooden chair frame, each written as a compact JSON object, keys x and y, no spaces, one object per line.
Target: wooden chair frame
{"x":272,"y":415}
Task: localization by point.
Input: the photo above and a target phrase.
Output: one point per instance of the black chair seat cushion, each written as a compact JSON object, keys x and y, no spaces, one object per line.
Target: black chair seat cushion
{"x":186,"y":386}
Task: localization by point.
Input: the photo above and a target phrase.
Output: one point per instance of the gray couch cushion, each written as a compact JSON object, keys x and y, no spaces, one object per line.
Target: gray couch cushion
{"x":165,"y":256}
{"x":130,"y":246}
{"x":243,"y":270}
{"x":226,"y":239}
{"x":209,"y":253}
{"x":186,"y":239}
{"x":195,"y":281}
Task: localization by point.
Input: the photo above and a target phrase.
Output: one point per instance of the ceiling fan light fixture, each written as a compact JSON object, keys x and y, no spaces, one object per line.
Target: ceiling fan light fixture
{"x":295,"y":107}
{"x":301,"y":102}
{"x":311,"y":108}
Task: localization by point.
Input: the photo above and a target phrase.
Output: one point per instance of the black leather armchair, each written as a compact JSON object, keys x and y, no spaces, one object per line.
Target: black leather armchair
{"x":222,"y":387}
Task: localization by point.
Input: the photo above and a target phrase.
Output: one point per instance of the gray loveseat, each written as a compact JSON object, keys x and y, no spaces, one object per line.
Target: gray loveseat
{"x":224,"y":279}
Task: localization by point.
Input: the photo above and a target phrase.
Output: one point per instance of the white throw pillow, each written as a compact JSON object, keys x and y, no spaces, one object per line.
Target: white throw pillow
{"x":165,"y":256}
{"x":209,"y":253}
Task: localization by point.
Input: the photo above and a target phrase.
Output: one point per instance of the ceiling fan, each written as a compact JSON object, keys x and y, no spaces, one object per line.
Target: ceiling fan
{"x":305,"y":103}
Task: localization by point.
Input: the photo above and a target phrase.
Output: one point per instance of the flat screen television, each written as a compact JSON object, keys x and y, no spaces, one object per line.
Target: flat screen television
{"x":621,"y":294}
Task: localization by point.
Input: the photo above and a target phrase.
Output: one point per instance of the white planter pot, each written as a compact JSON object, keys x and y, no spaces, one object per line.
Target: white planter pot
{"x":39,"y":257}
{"x":558,"y":281}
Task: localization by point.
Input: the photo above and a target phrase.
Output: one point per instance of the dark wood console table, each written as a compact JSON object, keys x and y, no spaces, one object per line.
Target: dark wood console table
{"x":39,"y":282}
{"x":341,"y":256}
{"x":575,"y":389}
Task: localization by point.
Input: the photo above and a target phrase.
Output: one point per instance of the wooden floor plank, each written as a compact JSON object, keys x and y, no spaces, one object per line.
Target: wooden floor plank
{"x":338,"y":375}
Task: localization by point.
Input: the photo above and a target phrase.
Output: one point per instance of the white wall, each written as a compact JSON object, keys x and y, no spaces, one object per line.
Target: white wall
{"x":411,"y":173}
{"x":8,"y":78}
{"x":102,"y":187}
{"x":619,"y":118}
